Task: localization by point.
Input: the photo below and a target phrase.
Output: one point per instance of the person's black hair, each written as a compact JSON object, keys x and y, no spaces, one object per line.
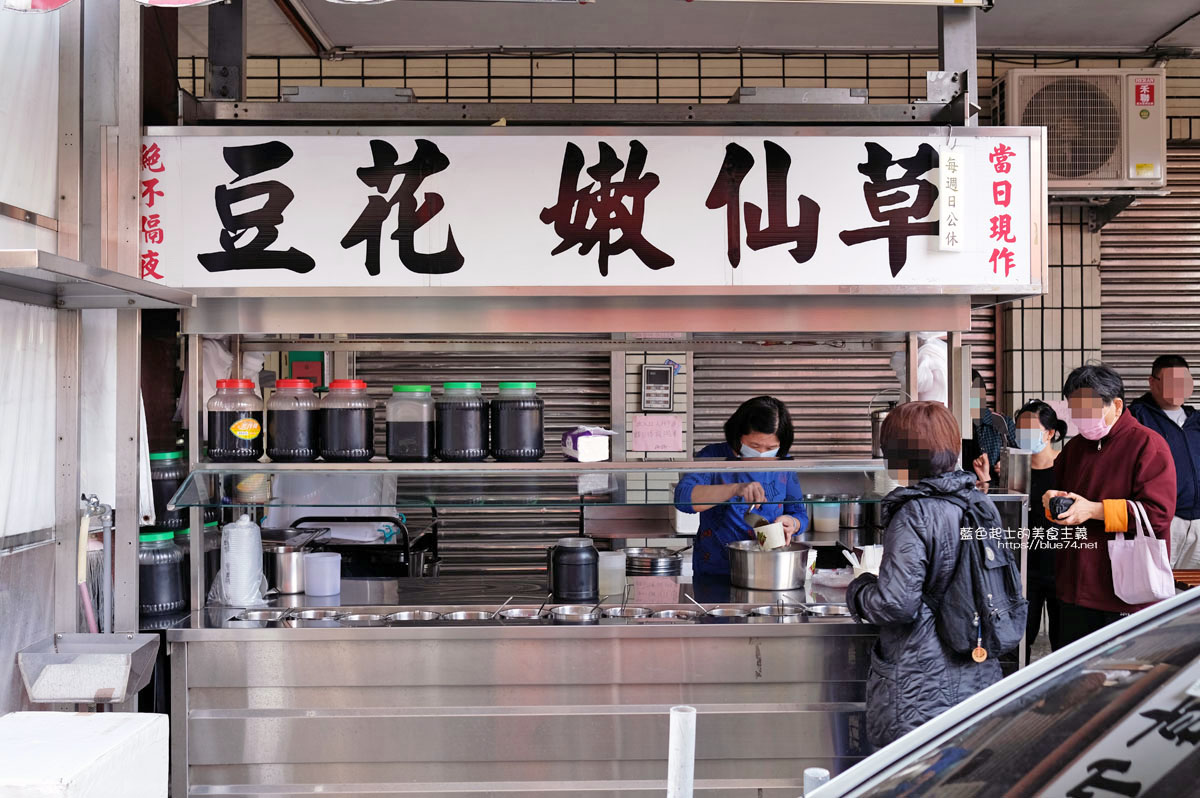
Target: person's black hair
{"x":1101,"y":379}
{"x":764,"y":414}
{"x":1168,"y":362}
{"x":978,"y":381}
{"x":1046,"y":417}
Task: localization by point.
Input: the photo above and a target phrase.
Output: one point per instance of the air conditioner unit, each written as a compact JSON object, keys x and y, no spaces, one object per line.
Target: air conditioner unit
{"x":1106,"y":127}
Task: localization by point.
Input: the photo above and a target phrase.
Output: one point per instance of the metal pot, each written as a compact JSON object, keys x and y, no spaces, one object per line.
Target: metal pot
{"x":628,"y":612}
{"x":411,"y":616}
{"x":753,"y":568}
{"x":851,"y":512}
{"x":828,"y":610}
{"x":284,"y":567}
{"x":878,"y":417}
{"x":468,"y":615}
{"x":576,"y":613}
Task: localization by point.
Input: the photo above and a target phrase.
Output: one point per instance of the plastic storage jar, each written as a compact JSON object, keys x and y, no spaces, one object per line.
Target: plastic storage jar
{"x":462,"y":423}
{"x":168,"y":470}
{"x":347,"y":423}
{"x":183,"y":539}
{"x":293,"y":423}
{"x":160,"y":574}
{"x":410,"y":424}
{"x":235,"y":423}
{"x":517,"y":429}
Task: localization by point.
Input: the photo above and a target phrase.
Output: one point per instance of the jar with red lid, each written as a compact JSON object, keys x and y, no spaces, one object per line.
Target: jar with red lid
{"x":235,"y":423}
{"x":347,"y":423}
{"x":293,"y":422}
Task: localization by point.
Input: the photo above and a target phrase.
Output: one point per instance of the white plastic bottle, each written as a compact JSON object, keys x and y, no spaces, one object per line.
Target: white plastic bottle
{"x":241,"y":563}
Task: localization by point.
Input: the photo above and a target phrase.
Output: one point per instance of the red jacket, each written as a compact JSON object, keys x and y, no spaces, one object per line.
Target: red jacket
{"x":1131,"y":462}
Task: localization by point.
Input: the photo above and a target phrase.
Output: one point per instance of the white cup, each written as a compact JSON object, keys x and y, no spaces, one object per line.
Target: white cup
{"x":322,"y":573}
{"x":771,"y":536}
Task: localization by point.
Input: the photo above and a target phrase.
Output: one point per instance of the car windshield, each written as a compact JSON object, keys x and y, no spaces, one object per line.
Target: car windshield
{"x":1123,"y":723}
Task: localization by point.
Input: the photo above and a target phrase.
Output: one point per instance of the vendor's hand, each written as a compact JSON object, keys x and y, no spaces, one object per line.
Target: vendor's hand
{"x":1081,"y":511}
{"x":791,"y":525}
{"x":752,"y":493}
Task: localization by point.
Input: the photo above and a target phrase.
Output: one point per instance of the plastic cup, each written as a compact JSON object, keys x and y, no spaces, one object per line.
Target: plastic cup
{"x":322,"y":573}
{"x":771,"y":536}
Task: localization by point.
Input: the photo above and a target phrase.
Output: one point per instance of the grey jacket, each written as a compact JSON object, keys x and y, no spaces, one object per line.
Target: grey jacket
{"x":913,"y":676}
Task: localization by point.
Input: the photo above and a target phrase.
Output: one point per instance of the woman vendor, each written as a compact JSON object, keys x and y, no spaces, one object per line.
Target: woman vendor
{"x":761,"y":428}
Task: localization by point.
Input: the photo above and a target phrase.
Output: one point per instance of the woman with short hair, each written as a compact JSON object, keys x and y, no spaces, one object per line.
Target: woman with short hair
{"x":913,"y":675}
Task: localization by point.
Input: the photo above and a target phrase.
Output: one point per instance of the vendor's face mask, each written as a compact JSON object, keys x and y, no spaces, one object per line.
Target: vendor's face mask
{"x":748,"y":452}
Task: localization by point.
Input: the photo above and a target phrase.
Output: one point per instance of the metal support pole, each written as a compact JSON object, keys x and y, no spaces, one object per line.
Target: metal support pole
{"x":226,"y":78}
{"x":128,"y":445}
{"x":195,"y":392}
{"x":911,"y":344}
{"x":958,"y":364}
{"x":129,"y":145}
{"x":957,"y":54}
{"x":66,"y":472}
{"x":70,"y":79}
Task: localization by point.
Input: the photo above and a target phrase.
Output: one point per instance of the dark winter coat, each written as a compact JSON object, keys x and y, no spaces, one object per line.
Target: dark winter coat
{"x":913,"y":676}
{"x":1185,"y":450}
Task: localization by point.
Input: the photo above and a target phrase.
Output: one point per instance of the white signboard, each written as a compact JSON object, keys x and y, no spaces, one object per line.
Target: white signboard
{"x":515,"y":208}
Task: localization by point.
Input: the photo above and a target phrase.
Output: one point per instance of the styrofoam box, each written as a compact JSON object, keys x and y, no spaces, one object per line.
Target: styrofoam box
{"x":82,"y":755}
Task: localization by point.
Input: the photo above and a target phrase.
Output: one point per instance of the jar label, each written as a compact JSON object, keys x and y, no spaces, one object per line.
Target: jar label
{"x":246,"y":428}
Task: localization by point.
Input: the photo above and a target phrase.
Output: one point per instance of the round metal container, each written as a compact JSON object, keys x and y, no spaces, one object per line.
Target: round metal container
{"x":652,"y":562}
{"x":828,"y":610}
{"x":261,"y":615}
{"x":727,"y":612}
{"x":781,"y":569}
{"x":628,"y":612}
{"x":468,"y":615}
{"x":361,"y":619}
{"x":676,"y":615}
{"x":316,"y":623}
{"x":776,"y":613}
{"x":412,"y":616}
{"x":850,"y":513}
{"x":284,"y":568}
{"x":314,"y":615}
{"x":524,"y":614}
{"x":575,"y":613}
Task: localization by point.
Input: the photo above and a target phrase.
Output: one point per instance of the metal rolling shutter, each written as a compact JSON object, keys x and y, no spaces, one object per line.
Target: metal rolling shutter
{"x":1150,"y":276}
{"x":828,"y":393}
{"x":575,"y":387}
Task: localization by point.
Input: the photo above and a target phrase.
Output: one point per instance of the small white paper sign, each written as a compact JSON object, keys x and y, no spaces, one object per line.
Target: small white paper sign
{"x":657,"y":433}
{"x":951,"y":211}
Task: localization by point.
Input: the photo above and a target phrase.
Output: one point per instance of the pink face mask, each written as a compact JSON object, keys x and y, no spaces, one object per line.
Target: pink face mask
{"x":1093,"y":428}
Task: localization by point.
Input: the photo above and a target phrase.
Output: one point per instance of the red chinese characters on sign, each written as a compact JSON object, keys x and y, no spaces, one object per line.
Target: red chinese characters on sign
{"x":1001,"y":223}
{"x":152,"y":229}
{"x":1143,"y":92}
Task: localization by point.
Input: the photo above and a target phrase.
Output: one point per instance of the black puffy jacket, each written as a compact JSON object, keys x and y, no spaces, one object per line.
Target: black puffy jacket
{"x":913,"y":676}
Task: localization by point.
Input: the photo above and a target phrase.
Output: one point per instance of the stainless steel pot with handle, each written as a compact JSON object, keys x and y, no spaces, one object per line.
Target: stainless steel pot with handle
{"x":780,"y":569}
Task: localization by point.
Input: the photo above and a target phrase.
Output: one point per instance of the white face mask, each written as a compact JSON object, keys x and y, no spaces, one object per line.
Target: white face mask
{"x":1031,"y":440}
{"x":748,"y":452}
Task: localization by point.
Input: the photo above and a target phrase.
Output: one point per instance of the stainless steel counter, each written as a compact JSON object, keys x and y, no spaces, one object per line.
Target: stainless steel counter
{"x":489,"y":708}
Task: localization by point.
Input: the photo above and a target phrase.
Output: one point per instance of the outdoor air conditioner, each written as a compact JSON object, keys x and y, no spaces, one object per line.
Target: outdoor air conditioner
{"x":1106,"y":127}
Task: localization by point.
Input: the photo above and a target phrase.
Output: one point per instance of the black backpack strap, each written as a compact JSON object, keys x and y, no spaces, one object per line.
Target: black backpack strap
{"x":929,"y":602}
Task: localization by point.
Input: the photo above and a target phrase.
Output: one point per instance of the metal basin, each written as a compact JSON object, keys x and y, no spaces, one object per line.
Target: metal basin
{"x":753,"y":568}
{"x":524,"y":614}
{"x":775,"y":613}
{"x":261,"y":615}
{"x":413,"y":616}
{"x":628,"y":612}
{"x":828,"y":610}
{"x":468,"y":615}
{"x":676,"y":615}
{"x":361,"y":619}
{"x":727,"y":612}
{"x":575,"y":613}
{"x":314,"y":615}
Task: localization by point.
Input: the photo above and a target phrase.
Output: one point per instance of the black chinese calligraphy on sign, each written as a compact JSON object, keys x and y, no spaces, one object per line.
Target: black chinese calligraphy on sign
{"x":896,"y":209}
{"x":603,"y":203}
{"x":726,"y":193}
{"x":237,"y":254}
{"x":410,"y":217}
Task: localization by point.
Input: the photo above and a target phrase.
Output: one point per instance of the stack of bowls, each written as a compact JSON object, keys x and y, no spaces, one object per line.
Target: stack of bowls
{"x":652,"y":562}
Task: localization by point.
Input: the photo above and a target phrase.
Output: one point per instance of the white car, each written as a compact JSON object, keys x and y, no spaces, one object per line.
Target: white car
{"x":1114,"y":715}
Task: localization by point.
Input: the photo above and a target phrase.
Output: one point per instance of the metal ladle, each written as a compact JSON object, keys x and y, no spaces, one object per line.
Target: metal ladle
{"x":500,"y":609}
{"x":703,"y":609}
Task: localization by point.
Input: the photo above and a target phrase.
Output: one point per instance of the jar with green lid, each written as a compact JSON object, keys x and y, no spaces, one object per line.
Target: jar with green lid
{"x":462,"y":423}
{"x":410,"y":424}
{"x":160,"y":574}
{"x":211,"y":542}
{"x":168,"y":470}
{"x":518,"y":433}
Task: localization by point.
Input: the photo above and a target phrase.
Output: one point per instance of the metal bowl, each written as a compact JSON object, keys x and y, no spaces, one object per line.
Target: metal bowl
{"x":314,"y":615}
{"x":727,"y":612}
{"x":781,"y":569}
{"x":361,"y":619}
{"x":828,"y":610}
{"x":676,"y":615}
{"x":628,"y":612}
{"x":410,"y":616}
{"x":469,"y":615}
{"x":575,"y":613}
{"x":260,"y":615}
{"x":778,"y":611}
{"x":524,"y":614}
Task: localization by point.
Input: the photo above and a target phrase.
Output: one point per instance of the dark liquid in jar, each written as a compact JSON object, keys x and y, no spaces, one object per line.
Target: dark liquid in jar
{"x":347,"y":435}
{"x":226,"y":447}
{"x":292,"y":436}
{"x":410,"y":441}
{"x":160,"y":582}
{"x":462,"y":430}
{"x":517,"y":433}
{"x":163,"y":485}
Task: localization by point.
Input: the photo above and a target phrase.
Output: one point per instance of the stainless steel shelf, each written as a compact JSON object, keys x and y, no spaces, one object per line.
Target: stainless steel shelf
{"x":41,"y":278}
{"x":380,"y":466}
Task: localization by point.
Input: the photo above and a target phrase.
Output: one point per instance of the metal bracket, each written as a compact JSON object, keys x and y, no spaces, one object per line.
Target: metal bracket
{"x":224,"y":81}
{"x":1100,"y":215}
